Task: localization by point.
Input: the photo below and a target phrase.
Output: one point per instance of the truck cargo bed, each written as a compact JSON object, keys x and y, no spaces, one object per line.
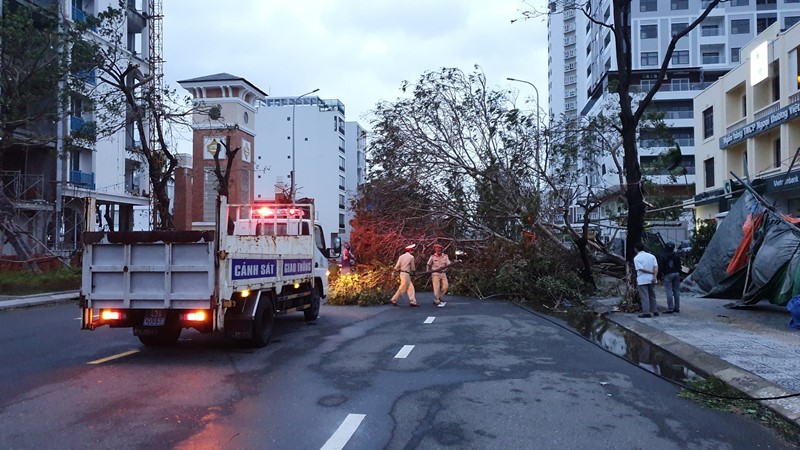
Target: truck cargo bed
{"x":149,"y":270}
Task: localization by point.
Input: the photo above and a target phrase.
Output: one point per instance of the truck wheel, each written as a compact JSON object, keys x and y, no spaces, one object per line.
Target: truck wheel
{"x":167,"y":335}
{"x":312,"y":312}
{"x":262,"y":326}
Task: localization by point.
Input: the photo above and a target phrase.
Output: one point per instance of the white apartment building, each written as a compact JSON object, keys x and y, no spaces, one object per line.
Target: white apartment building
{"x":582,"y":63}
{"x":49,"y":185}
{"x":309,"y":135}
{"x":751,"y":126}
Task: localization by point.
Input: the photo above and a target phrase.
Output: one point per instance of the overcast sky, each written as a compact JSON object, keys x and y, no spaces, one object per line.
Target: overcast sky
{"x":357,"y":51}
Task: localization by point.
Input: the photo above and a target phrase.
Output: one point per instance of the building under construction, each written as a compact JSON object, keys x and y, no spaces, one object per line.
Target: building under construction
{"x":49,"y":187}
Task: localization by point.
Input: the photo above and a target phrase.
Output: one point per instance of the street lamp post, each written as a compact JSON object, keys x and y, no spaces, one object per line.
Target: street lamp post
{"x":538,"y":114}
{"x":294,"y":105}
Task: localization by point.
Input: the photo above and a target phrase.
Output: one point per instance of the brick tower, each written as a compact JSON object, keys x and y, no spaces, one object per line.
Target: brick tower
{"x":237,"y":100}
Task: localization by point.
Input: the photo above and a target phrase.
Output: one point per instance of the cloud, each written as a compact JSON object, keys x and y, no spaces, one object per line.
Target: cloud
{"x":354,"y":51}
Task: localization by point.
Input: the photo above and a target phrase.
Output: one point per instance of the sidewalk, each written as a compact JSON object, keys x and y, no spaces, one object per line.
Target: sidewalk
{"x":10,"y":302}
{"x":752,"y":350}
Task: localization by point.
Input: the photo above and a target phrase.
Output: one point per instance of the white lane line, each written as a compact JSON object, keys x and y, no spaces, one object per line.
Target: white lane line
{"x":404,"y":351}
{"x":113,"y":357}
{"x":429,"y":320}
{"x":344,"y":432}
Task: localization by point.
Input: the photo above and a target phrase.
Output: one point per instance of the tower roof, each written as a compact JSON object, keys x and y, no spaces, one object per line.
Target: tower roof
{"x":216,"y":79}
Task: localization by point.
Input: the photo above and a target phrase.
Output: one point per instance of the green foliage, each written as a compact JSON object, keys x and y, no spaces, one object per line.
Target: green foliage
{"x":374,"y":286}
{"x":25,"y":283}
{"x":749,"y":408}
{"x":540,"y":272}
{"x":700,"y":239}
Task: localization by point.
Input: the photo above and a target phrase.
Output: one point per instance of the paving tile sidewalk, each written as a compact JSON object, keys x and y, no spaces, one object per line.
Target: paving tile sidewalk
{"x":11,"y":302}
{"x":753,"y":350}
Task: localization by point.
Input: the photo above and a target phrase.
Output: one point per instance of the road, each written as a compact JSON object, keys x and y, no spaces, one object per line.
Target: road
{"x":474,"y":375}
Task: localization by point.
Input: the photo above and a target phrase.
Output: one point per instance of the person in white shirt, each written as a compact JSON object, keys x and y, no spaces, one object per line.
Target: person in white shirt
{"x":436,"y":263}
{"x":406,"y":266}
{"x":646,"y":272}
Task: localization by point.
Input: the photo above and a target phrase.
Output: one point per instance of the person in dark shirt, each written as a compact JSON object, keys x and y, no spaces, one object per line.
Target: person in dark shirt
{"x":670,"y":267}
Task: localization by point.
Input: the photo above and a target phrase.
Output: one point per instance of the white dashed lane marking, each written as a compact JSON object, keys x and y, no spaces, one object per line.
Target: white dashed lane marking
{"x":345,"y":431}
{"x":429,"y":319}
{"x":404,"y":351}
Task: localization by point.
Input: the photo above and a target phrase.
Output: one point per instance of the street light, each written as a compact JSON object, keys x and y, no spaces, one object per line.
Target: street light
{"x":294,"y":105}
{"x":538,"y":124}
{"x":537,"y":102}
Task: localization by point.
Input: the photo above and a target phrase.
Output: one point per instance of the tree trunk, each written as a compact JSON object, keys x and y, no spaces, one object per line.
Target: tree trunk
{"x":161,"y":205}
{"x":586,"y":269}
{"x":636,"y":206}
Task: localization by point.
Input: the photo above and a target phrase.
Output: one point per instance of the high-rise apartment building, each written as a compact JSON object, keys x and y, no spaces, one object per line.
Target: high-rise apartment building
{"x":582,"y":64}
{"x":307,"y":137}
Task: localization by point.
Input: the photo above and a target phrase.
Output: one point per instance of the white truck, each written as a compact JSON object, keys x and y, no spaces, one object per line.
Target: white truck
{"x":261,"y":260}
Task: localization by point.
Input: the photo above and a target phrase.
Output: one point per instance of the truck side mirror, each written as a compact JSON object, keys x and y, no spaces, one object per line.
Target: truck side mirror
{"x":337,"y":248}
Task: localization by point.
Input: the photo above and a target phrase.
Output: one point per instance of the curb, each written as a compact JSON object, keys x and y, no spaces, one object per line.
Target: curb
{"x":737,"y":378}
{"x":8,"y":302}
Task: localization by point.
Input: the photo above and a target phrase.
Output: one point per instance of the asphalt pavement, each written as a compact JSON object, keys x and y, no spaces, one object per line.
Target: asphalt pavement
{"x":751,"y":349}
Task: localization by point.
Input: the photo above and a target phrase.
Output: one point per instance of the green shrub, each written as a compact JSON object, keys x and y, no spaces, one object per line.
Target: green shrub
{"x":540,"y":273}
{"x":373,"y":286}
{"x":27,"y":283}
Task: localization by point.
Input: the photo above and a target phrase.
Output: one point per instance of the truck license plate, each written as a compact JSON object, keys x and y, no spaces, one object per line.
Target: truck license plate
{"x":155,"y":318}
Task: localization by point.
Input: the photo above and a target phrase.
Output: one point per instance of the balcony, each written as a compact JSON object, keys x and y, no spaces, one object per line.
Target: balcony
{"x":78,"y":15}
{"x":82,"y":179}
{"x":767,"y":110}
{"x":87,"y":76}
{"x":76,"y":123}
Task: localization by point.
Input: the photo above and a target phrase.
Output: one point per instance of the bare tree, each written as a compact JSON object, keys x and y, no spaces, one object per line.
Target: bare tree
{"x":466,"y":145}
{"x":124,"y":101}
{"x":630,"y":112}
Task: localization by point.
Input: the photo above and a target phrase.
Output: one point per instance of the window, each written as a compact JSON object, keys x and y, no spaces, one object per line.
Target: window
{"x":341,"y":221}
{"x":646,"y":85}
{"x":763,"y":22}
{"x":648,"y":5}
{"x":607,"y":14}
{"x":341,"y":182}
{"x":649,"y":31}
{"x":679,"y":4}
{"x":791,"y":1}
{"x":341,"y":163}
{"x":341,"y":201}
{"x":680,"y":84}
{"x":740,"y":2}
{"x":740,"y":26}
{"x":776,"y":152}
{"x":341,"y":144}
{"x":776,"y":88}
{"x":709,"y":30}
{"x":744,"y":105}
{"x":680,"y":57}
{"x":790,"y":20}
{"x":710,"y":57}
{"x":678,"y":27}
{"x":765,"y":4}
{"x":649,"y":58}
{"x":607,"y":40}
{"x":335,"y":123}
{"x":708,"y":168}
{"x":735,"y":54}
{"x":708,"y":122}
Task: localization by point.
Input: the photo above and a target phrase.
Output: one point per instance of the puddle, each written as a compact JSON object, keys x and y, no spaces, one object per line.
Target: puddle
{"x":625,"y":344}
